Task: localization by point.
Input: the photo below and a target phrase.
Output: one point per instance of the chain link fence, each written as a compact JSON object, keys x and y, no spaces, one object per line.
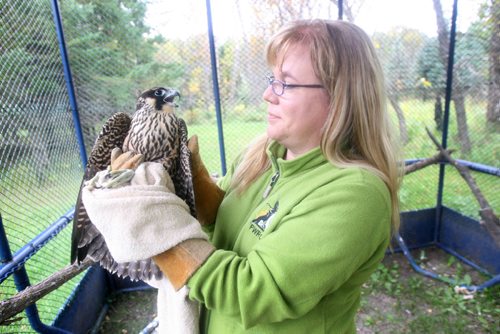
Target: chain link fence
{"x":119,"y":48}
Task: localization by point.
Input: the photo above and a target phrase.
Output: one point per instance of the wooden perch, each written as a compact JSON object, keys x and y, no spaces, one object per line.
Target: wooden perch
{"x":489,"y":219}
{"x":424,"y":163}
{"x":12,"y":306}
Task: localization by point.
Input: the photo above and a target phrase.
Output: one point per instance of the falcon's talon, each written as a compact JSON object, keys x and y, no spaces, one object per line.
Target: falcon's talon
{"x":109,"y":179}
{"x":118,"y":178}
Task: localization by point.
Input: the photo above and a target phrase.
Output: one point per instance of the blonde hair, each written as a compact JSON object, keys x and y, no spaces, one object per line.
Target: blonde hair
{"x":358,"y":130}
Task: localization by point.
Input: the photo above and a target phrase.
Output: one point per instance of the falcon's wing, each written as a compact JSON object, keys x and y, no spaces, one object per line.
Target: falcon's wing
{"x":86,"y":239}
{"x":183,"y":178}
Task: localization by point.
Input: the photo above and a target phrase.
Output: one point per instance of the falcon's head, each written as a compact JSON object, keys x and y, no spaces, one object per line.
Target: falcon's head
{"x":159,"y":98}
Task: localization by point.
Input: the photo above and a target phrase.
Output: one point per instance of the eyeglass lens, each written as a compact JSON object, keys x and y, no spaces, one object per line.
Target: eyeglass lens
{"x":277,"y":86}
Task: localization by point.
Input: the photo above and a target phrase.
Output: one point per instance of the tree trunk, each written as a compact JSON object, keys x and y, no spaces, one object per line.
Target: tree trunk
{"x":438,"y":113}
{"x":457,"y":96}
{"x":442,"y":30}
{"x":462,"y":128}
{"x":493,"y":108}
{"x":403,"y":131}
{"x":349,"y":11}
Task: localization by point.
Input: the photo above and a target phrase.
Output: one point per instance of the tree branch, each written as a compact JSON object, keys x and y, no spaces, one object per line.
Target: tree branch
{"x":424,"y":163}
{"x":489,"y":219}
{"x":27,"y":297}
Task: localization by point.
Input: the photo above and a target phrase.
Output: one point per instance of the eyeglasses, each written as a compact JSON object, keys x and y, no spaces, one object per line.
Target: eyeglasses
{"x":279,"y":86}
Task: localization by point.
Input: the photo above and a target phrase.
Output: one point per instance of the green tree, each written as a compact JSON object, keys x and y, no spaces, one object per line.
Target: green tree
{"x":112,"y":58}
{"x":458,"y":96}
{"x":469,"y":73}
{"x":394,"y":49}
{"x":432,"y":77}
{"x":30,"y":77}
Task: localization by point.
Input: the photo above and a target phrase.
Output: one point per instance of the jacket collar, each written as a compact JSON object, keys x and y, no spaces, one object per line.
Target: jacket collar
{"x":311,"y":159}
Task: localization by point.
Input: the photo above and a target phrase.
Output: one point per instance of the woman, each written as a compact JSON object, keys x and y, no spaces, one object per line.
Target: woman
{"x":306,"y":213}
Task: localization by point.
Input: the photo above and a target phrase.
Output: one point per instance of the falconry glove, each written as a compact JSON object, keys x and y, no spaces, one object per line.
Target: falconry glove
{"x":143,"y":219}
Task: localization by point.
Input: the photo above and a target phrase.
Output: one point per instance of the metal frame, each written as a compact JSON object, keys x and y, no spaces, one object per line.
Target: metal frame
{"x":215,"y":80}
{"x":69,"y":80}
{"x":439,"y":200}
{"x":14,"y":265}
{"x":441,"y":223}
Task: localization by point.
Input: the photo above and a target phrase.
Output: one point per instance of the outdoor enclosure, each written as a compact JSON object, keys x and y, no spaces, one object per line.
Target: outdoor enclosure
{"x":67,"y":66}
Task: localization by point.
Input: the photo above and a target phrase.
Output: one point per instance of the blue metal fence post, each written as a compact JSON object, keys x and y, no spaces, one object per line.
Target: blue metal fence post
{"x":5,"y":253}
{"x":446,"y":119}
{"x":215,"y":80}
{"x":69,"y":81}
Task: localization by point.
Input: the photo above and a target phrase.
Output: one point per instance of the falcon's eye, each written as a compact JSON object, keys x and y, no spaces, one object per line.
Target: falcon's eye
{"x":160,"y":92}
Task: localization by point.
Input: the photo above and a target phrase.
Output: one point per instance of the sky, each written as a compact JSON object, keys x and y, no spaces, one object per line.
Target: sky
{"x":419,"y":14}
{"x":189,"y":17}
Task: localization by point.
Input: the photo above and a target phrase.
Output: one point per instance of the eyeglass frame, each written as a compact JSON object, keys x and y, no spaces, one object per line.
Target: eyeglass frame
{"x":271,"y":80}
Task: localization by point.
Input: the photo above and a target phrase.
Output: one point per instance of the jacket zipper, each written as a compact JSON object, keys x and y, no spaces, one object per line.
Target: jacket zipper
{"x":271,"y":184}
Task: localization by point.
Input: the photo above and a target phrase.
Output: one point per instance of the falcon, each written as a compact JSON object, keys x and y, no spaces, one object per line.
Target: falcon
{"x":160,"y":136}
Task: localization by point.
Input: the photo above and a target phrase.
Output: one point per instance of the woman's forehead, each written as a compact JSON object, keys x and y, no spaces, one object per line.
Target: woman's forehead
{"x":289,"y":54}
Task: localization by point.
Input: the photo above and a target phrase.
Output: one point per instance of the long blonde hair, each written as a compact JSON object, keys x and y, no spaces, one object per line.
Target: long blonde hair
{"x":357,"y":131}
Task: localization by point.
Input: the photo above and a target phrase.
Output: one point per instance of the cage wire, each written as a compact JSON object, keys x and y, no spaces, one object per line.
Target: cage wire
{"x":117,"y":50}
{"x":39,"y":164}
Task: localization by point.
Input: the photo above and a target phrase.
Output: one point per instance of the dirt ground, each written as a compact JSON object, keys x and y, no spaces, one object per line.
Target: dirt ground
{"x":395,"y":300}
{"x":412,"y":303}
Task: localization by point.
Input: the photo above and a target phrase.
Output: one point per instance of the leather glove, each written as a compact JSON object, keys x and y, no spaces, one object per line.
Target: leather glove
{"x":142,"y":219}
{"x":181,"y":262}
{"x":208,"y":195}
{"x":127,"y":160}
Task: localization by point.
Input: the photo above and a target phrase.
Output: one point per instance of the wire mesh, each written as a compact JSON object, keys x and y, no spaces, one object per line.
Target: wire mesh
{"x":117,"y":49}
{"x":39,"y":166}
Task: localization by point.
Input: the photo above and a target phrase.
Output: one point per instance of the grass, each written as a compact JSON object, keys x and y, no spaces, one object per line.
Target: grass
{"x":237,"y":135}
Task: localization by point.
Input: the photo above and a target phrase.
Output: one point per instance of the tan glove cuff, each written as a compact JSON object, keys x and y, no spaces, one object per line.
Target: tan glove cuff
{"x":181,"y":262}
{"x":208,"y":197}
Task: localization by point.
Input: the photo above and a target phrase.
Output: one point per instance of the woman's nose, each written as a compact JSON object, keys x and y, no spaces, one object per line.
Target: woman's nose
{"x":269,"y":96}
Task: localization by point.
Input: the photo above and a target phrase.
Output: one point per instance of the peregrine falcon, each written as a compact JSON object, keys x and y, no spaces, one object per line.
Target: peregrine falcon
{"x":160,"y":136}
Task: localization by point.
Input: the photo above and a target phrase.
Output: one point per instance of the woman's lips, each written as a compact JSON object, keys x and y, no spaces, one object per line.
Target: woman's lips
{"x":271,"y":116}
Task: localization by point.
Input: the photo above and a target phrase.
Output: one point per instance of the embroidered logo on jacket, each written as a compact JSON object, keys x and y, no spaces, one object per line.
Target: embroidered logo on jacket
{"x":259,"y":224}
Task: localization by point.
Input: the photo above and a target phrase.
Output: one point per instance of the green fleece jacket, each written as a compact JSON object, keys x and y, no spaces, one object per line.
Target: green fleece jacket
{"x":294,"y":249}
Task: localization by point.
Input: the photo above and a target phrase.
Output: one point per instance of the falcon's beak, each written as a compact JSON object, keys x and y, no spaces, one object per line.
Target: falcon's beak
{"x":170,"y":97}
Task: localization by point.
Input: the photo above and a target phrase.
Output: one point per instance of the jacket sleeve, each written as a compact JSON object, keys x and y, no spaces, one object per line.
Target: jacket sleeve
{"x":314,"y":250}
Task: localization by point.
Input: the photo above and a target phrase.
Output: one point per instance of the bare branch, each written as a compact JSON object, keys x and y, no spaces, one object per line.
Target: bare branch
{"x":12,"y":306}
{"x":424,"y":163}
